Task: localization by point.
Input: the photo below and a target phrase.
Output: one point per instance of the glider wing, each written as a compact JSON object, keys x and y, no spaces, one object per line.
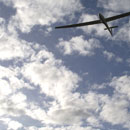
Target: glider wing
{"x":117,"y":17}
{"x":80,"y":24}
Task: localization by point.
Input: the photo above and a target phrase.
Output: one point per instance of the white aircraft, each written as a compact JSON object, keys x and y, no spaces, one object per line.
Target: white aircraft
{"x":102,"y":19}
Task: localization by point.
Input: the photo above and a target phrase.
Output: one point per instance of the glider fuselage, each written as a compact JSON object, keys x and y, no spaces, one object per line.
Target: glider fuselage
{"x":101,"y":17}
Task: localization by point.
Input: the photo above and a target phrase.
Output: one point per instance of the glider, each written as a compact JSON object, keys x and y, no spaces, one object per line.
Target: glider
{"x":102,"y":19}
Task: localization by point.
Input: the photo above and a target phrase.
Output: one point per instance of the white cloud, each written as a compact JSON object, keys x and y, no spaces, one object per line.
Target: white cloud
{"x":115,"y":112}
{"x":11,"y":47}
{"x":115,"y":5}
{"x":17,"y":98}
{"x":74,"y":108}
{"x":4,"y":88}
{"x":30,"y":13}
{"x":74,"y":127}
{"x":11,"y":102}
{"x":122,"y":85}
{"x":80,"y":45}
{"x":94,"y":121}
{"x":9,"y":78}
{"x":14,"y":105}
{"x":112,"y":109}
{"x":31,"y":128}
{"x":15,"y":125}
{"x":54,"y":78}
{"x":70,"y":110}
{"x":119,"y":59}
{"x":11,"y":124}
{"x":68,"y":116}
{"x":110,"y":56}
{"x":116,"y":108}
{"x":36,"y":112}
{"x":128,"y":61}
{"x":124,"y":33}
{"x":2,"y":27}
{"x":67,"y":107}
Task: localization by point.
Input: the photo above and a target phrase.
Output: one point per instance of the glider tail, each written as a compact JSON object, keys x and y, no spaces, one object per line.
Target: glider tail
{"x":111,"y":27}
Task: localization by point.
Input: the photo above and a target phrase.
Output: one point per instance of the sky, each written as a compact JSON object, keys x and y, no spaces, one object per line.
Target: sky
{"x":66,"y":79}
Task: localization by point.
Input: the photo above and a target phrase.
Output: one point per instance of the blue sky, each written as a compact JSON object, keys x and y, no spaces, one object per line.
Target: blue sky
{"x":68,"y":79}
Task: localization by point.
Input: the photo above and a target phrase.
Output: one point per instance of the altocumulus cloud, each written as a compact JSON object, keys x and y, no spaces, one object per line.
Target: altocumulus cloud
{"x":66,"y":102}
{"x":62,"y":128}
{"x":110,"y":56}
{"x":12,"y":102}
{"x":79,"y":44}
{"x":12,"y":124}
{"x":30,"y":13}
{"x":34,"y":67}
{"x":123,"y":5}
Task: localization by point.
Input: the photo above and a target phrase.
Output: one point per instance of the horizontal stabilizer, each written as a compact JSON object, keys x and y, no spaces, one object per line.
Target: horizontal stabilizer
{"x":111,"y":27}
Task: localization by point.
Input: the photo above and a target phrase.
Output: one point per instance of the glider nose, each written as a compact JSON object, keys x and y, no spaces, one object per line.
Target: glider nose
{"x":99,"y":15}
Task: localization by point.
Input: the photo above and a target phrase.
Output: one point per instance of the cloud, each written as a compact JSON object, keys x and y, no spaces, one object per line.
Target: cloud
{"x":11,"y":124}
{"x":30,"y":13}
{"x":53,"y":78}
{"x":74,"y":109}
{"x":36,"y":112}
{"x":91,"y":108}
{"x":9,"y":79}
{"x":122,"y":85}
{"x":124,"y":33}
{"x":68,"y":116}
{"x":60,"y":106}
{"x":74,"y":127}
{"x":67,"y":111}
{"x":13,"y":106}
{"x":14,"y":125}
{"x":67,"y":107}
{"x":128,"y":61}
{"x":115,"y":112}
{"x":12,"y":102}
{"x":123,"y":5}
{"x":11,"y":48}
{"x":93,"y":121}
{"x":110,"y":56}
{"x":80,"y":45}
{"x":4,"y":89}
{"x":116,"y":108}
